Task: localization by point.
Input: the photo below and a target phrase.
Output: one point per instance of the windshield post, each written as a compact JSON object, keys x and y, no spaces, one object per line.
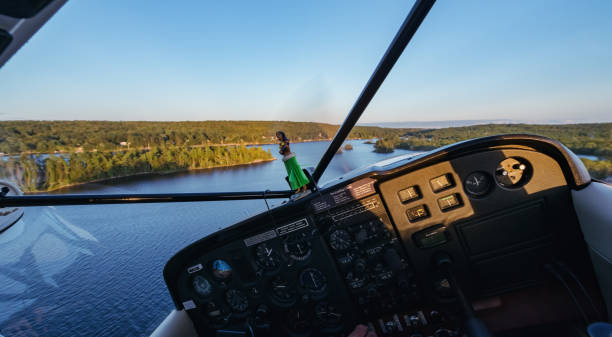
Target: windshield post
{"x":400,"y":41}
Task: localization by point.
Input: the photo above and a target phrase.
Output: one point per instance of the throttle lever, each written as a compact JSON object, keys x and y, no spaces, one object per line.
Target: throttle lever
{"x":474,"y":326}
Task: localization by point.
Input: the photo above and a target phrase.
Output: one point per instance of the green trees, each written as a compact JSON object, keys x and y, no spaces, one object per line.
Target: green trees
{"x":588,"y":139}
{"x":386,"y":145}
{"x":69,"y":136}
{"x":95,"y":150}
{"x":48,"y":172}
{"x":599,"y":169}
{"x":592,"y":139}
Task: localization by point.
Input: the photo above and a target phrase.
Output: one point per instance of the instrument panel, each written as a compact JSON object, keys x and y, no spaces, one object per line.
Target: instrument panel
{"x":280,"y":278}
{"x":362,"y":251}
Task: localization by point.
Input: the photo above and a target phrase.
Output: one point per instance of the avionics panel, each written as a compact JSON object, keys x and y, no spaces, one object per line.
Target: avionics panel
{"x":277,"y":282}
{"x":478,"y":207}
{"x":369,"y":256}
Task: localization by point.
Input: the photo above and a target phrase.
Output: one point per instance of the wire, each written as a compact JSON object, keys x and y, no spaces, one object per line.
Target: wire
{"x":570,"y":292}
{"x":266,"y":200}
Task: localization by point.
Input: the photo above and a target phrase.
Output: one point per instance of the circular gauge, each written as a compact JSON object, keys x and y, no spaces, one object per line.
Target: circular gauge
{"x":477,"y":184}
{"x":340,"y":239}
{"x":282,"y":291}
{"x":201,"y":285}
{"x":236,"y":300}
{"x":221,"y":270}
{"x":345,"y":258}
{"x":327,"y":316}
{"x":215,"y":314}
{"x":298,"y":246}
{"x":383,"y":274}
{"x":512,"y":172}
{"x":267,"y":258}
{"x":298,"y":321}
{"x":355,"y":280}
{"x":313,"y":280}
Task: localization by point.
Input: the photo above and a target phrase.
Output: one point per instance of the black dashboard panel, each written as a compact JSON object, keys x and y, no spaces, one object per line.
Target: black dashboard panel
{"x":362,"y":250}
{"x":281,"y":278}
{"x":532,"y":216}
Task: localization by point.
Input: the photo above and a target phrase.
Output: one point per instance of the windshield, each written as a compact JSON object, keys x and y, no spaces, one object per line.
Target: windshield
{"x":114,"y":97}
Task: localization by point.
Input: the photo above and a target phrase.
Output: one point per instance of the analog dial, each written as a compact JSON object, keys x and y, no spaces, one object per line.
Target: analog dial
{"x":218,"y":317}
{"x":327,"y":316}
{"x":201,"y":285}
{"x":383,"y":274}
{"x":237,"y":300}
{"x":282,"y":291}
{"x":299,"y":321}
{"x":355,"y":280}
{"x":313,"y":280}
{"x":477,"y":184}
{"x":345,"y":258}
{"x":298,"y":247}
{"x":340,"y":239}
{"x":267,"y":257}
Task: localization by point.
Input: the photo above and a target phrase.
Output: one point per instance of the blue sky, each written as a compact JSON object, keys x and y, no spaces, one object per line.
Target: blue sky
{"x":141,"y":60}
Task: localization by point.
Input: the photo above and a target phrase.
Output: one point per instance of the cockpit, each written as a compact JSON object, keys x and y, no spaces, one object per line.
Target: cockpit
{"x":401,"y":247}
{"x":483,"y":234}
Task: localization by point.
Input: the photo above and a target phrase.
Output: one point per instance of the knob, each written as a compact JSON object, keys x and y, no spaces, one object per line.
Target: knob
{"x":372,"y":291}
{"x":435,"y":316}
{"x":414,"y":320}
{"x":390,"y":327}
{"x":261,"y":317}
{"x":360,"y":266}
{"x":442,"y":332}
{"x":443,"y":288}
{"x":361,"y":236}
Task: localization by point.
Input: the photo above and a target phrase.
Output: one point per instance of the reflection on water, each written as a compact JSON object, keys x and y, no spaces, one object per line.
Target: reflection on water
{"x":97,"y":270}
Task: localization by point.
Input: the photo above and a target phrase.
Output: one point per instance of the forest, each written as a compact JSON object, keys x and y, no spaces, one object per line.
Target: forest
{"x":68,"y":136}
{"x":50,"y":172}
{"x":48,"y":155}
{"x":585,"y":139}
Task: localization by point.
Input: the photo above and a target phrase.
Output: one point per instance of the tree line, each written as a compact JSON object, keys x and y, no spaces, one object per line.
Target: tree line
{"x":587,"y":139}
{"x":68,"y":136}
{"x":35,"y":173}
{"x":592,"y":139}
{"x":94,"y":150}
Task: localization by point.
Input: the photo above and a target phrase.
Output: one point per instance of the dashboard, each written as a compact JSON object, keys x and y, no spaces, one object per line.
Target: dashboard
{"x":362,"y":249}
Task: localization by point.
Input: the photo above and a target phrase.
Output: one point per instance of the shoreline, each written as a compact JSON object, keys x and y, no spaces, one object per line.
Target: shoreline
{"x":160,"y":173}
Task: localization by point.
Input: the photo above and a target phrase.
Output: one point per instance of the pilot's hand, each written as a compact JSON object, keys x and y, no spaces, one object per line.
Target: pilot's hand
{"x":362,"y":331}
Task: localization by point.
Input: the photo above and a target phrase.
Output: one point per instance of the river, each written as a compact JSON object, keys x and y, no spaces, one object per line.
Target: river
{"x":97,"y":270}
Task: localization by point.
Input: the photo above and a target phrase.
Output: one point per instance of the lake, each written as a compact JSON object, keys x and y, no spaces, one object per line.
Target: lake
{"x":97,"y":270}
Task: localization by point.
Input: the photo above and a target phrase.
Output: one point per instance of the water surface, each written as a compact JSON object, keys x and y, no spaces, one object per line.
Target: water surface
{"x":97,"y":270}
